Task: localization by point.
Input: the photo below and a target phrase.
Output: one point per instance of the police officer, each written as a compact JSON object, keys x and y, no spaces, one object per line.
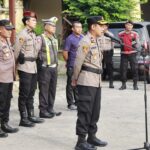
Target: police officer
{"x":7,"y":75}
{"x":47,"y":69}
{"x":26,"y":54}
{"x":69,"y":54}
{"x":108,"y":47}
{"x":130,"y":39}
{"x":87,"y":77}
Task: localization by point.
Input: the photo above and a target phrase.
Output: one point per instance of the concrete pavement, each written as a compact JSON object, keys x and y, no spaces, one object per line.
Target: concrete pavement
{"x":121,"y":123}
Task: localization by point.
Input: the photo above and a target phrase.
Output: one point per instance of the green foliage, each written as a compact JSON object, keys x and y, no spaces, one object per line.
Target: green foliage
{"x":1,"y":2}
{"x":112,"y":10}
{"x":39,"y":29}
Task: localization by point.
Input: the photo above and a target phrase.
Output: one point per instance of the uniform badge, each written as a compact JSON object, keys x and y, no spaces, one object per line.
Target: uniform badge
{"x":7,"y":54}
{"x":85,"y":49}
{"x":38,"y":39}
{"x":95,"y":56}
{"x":92,"y":40}
{"x":21,"y":40}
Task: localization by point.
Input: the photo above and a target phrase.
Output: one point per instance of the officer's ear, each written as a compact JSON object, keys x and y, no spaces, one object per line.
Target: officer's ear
{"x":46,"y":26}
{"x":1,"y":28}
{"x":93,"y":26}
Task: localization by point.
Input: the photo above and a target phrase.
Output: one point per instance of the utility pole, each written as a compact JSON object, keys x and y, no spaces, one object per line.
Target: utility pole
{"x":12,"y":17}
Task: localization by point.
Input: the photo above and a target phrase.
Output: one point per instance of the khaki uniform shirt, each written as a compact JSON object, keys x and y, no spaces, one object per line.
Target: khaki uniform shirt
{"x":26,"y":42}
{"x":88,"y":54}
{"x":106,"y":43}
{"x":7,"y":62}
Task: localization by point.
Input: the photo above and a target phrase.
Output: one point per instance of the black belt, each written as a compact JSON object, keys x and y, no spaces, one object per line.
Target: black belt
{"x":86,"y":68}
{"x":30,"y":59}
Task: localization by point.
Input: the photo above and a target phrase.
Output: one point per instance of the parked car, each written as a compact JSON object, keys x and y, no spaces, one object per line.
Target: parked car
{"x":143,"y":29}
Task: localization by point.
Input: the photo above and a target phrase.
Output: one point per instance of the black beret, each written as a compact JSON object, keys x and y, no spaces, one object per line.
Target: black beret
{"x":96,"y":20}
{"x":7,"y":24}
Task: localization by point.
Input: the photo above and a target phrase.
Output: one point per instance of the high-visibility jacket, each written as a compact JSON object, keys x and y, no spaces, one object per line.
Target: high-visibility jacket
{"x":49,"y":49}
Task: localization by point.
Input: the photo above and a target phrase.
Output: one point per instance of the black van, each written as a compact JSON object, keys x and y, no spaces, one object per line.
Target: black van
{"x":143,"y":29}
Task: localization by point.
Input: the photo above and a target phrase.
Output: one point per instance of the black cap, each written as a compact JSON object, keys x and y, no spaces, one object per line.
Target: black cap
{"x":7,"y":24}
{"x":129,"y":21}
{"x":96,"y":20}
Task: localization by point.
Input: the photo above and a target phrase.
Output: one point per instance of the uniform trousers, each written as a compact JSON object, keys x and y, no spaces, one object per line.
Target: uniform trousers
{"x":47,"y":81}
{"x":5,"y":100}
{"x":71,"y":92}
{"x":27,"y":87}
{"x":131,"y":58}
{"x":109,"y":64}
{"x":88,"y":106}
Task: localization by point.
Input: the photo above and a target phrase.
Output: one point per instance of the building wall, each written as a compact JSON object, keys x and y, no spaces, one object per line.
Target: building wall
{"x":46,"y":9}
{"x":145,"y":11}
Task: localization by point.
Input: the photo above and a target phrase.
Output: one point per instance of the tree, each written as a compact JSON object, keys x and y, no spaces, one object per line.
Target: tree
{"x":111,"y":10}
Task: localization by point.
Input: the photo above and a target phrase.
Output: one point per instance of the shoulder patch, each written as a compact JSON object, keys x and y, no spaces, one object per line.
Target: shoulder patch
{"x":85,"y":49}
{"x":21,"y":40}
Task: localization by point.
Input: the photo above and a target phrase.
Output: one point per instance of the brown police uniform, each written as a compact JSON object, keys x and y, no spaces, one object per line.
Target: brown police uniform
{"x":87,"y":75}
{"x":26,"y":43}
{"x":87,"y":72}
{"x":7,"y":71}
{"x":89,"y":56}
{"x":7,"y":76}
{"x":26,"y":53}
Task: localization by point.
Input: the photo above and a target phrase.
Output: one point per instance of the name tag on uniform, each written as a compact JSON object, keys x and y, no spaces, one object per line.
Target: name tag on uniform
{"x":93,"y":47}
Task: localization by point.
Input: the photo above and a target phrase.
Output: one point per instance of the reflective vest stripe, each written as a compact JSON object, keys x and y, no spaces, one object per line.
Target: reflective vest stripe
{"x":47,"y":50}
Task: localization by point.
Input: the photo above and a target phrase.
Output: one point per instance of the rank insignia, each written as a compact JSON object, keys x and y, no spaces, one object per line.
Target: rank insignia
{"x":85,"y":49}
{"x":92,"y":40}
{"x":7,"y":54}
{"x":21,"y":40}
{"x":95,"y":57}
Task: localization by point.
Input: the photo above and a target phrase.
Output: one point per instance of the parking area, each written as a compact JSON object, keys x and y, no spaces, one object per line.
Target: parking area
{"x":121,"y":123}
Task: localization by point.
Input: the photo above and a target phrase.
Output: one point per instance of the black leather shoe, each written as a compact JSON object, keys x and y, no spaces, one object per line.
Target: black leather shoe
{"x":84,"y":146}
{"x":26,"y":123}
{"x":8,"y":129}
{"x":96,"y":142}
{"x":123,"y":87}
{"x":135,"y":87}
{"x":3,"y":134}
{"x":35,"y":119}
{"x":111,"y":86}
{"x":46,"y":115}
{"x":55,"y":113}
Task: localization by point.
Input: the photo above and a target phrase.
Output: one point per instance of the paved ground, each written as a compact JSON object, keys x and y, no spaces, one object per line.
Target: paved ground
{"x":121,"y":123}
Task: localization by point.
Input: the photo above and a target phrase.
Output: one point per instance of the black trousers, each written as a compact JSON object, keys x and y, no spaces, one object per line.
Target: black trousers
{"x":88,"y":106}
{"x":71,"y":92}
{"x":27,"y":87}
{"x":47,"y":80}
{"x":131,"y":58}
{"x":5,"y":100}
{"x":107,"y":60}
